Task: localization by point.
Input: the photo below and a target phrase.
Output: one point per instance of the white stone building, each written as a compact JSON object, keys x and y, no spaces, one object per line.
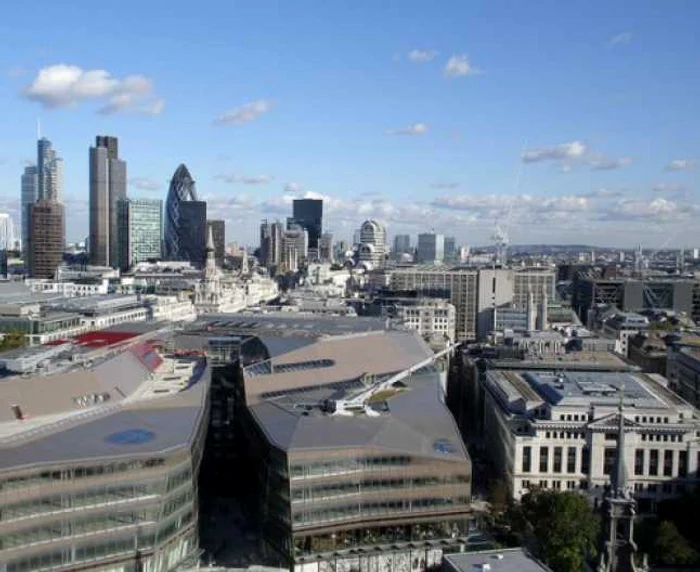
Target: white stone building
{"x":557,"y":430}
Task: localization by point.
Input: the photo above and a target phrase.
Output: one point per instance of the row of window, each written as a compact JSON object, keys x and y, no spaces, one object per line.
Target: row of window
{"x":80,"y":472}
{"x":556,"y":484}
{"x":653,"y":468}
{"x":664,"y":438}
{"x":565,"y":435}
{"x":334,"y":513}
{"x":340,"y":466}
{"x":559,"y":463}
{"x":370,"y":485}
{"x":82,"y":499}
{"x":94,"y":523}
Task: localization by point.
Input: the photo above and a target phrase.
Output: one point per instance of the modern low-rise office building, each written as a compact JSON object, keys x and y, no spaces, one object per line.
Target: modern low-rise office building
{"x":99,"y":457}
{"x":347,"y":456}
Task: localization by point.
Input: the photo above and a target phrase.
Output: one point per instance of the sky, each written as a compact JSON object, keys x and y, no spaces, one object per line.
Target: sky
{"x":562,"y":122}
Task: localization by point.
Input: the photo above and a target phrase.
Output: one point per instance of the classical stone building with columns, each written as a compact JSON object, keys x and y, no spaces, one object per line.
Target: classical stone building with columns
{"x":557,"y":429}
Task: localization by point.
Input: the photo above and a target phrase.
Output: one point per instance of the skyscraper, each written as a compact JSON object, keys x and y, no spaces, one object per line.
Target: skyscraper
{"x":29,"y":195}
{"x":271,"y":244}
{"x":107,"y":188}
{"x":431,"y":248}
{"x":46,"y":238}
{"x":140,"y":230}
{"x":402,"y":244}
{"x":192,"y":233}
{"x":7,"y":232}
{"x":182,"y":189}
{"x":308,"y":214}
{"x":218,"y":231}
{"x":49,"y":172}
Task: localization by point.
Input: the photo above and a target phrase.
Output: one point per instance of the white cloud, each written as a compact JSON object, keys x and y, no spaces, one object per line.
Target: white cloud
{"x":681,"y":164}
{"x":246,"y":180}
{"x":459,"y":65}
{"x":655,"y":209}
{"x":293,"y":188}
{"x":563,"y":152}
{"x":413,"y":129}
{"x":144,"y":184}
{"x":65,"y":85}
{"x":445,"y":186}
{"x":620,"y":39}
{"x":605,"y":164}
{"x":245,"y":113}
{"x":421,"y":56}
{"x":667,"y":188}
{"x":605,"y":194}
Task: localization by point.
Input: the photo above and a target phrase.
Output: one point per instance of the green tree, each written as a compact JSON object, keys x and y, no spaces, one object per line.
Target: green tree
{"x":671,"y":548}
{"x":12,"y":340}
{"x":559,"y":527}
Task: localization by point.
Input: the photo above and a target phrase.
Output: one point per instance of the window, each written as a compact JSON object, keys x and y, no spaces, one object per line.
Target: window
{"x":682,"y":463}
{"x":544,"y":459}
{"x":668,"y":463}
{"x":526,"y":484}
{"x":654,"y":462}
{"x":609,"y":455}
{"x":527,"y":459}
{"x":639,"y":462}
{"x":543,"y":484}
{"x":557,"y":459}
{"x":556,"y":485}
{"x":585,"y":460}
{"x":571,"y":460}
{"x":667,"y":488}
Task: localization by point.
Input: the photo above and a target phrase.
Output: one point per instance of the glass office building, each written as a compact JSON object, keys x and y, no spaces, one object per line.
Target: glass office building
{"x":140,"y":231}
{"x":99,"y":465}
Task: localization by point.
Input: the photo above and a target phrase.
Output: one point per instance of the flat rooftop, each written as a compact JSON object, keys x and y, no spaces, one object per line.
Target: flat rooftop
{"x":583,"y":389}
{"x":506,"y":560}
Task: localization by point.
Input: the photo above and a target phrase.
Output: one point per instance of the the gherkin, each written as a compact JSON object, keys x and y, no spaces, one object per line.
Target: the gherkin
{"x":182,"y":189}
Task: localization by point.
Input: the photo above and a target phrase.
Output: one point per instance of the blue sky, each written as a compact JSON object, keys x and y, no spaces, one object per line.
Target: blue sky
{"x":581,"y":119}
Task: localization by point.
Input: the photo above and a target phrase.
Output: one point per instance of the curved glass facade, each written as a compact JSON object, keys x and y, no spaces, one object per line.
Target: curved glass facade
{"x":182,"y":189}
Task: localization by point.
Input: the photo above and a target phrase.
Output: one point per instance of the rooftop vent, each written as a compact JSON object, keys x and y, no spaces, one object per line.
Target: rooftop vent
{"x":17,"y":411}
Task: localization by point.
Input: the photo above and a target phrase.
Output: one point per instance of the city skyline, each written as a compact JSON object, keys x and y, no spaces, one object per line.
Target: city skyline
{"x":428,"y":123}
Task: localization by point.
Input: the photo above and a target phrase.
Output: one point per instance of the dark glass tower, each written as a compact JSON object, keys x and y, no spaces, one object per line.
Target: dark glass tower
{"x":182,"y":189}
{"x":107,"y":189}
{"x":308,"y":214}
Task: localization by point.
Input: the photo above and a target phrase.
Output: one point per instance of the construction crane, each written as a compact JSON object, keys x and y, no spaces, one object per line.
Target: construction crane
{"x":360,"y":401}
{"x":500,"y":237}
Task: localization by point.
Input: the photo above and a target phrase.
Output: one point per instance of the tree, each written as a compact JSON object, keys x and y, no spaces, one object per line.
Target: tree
{"x":559,"y":527}
{"x":670,"y":548}
{"x":12,"y":340}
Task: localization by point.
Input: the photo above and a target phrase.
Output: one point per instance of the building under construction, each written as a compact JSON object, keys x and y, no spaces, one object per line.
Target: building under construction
{"x":632,"y":294}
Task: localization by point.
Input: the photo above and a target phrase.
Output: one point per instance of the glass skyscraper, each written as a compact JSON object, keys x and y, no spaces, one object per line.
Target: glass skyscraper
{"x":30,"y":195}
{"x":182,"y":189}
{"x":140,"y":230}
{"x":308,"y":214}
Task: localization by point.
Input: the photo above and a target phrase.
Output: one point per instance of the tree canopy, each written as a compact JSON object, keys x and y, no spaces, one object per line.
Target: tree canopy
{"x":559,"y":527}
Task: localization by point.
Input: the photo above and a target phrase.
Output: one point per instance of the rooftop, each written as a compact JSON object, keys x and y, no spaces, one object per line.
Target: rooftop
{"x":507,"y":560}
{"x":289,"y":396}
{"x":125,"y":397}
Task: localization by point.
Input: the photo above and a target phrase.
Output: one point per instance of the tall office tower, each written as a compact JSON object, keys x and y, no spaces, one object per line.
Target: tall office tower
{"x":270,"y":244}
{"x":402,"y":244}
{"x":7,"y":232}
{"x":46,"y":238}
{"x":295,"y":248}
{"x":49,"y":172}
{"x":192,"y":233}
{"x":140,"y":230}
{"x":451,"y":252}
{"x":431,"y":248}
{"x":107,"y":188}
{"x":325,"y":247}
{"x":182,"y":189}
{"x":308,"y":214}
{"x":29,"y":195}
{"x":218,"y":232}
{"x":372,"y":246}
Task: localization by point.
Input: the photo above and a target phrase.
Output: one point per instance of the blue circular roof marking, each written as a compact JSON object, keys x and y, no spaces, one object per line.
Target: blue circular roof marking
{"x":443,"y":446}
{"x":131,"y":437}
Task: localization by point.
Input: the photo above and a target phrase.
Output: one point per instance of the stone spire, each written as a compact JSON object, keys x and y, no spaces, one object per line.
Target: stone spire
{"x":210,"y":266}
